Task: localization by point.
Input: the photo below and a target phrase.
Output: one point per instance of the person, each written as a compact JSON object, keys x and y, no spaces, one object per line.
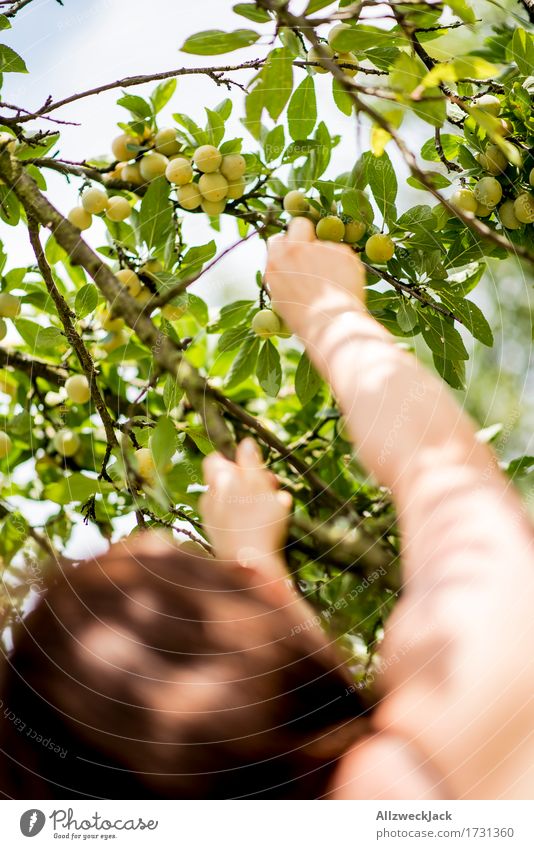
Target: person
{"x":169,"y":675}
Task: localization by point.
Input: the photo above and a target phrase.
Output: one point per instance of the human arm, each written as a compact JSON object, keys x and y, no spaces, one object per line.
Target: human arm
{"x":458,"y":678}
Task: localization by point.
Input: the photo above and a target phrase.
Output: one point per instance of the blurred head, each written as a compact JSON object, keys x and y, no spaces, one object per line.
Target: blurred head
{"x":157,"y":673}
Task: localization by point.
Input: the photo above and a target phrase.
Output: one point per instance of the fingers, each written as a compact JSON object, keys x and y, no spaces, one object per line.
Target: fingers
{"x":248,"y":455}
{"x":301,"y":230}
{"x":285,"y":500}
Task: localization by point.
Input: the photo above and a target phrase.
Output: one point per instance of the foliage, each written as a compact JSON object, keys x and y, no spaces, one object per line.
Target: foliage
{"x":165,"y":374}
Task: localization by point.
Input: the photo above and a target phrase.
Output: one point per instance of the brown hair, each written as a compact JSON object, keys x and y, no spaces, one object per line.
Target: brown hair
{"x":151,"y":673}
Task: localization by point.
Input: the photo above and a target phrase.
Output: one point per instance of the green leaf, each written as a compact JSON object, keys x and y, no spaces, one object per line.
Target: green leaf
{"x":302,"y":110}
{"x":163,"y":443}
{"x":198,"y":309}
{"x":407,"y":317}
{"x":86,"y":300}
{"x":277,"y":81}
{"x":383,"y":183}
{"x":4,"y":22}
{"x":195,"y":259}
{"x":156,"y":219}
{"x":316,"y":6}
{"x":9,"y":207}
{"x":136,"y":105}
{"x":215,"y":127}
{"x":233,"y":338}
{"x":307,"y":381}
{"x":453,"y":371}
{"x":269,"y":369}
{"x":356,"y":204}
{"x":172,"y":393}
{"x":232,"y":315}
{"x":162,"y":94}
{"x":214,"y":41}
{"x":251,"y":11}
{"x":462,"y":9}
{"x":245,"y":362}
{"x":274,"y":143}
{"x":76,"y":487}
{"x":342,"y":99}
{"x":11,"y":62}
{"x":451,"y":145}
{"x":523,"y":51}
{"x":472,"y":317}
{"x":441,"y":337}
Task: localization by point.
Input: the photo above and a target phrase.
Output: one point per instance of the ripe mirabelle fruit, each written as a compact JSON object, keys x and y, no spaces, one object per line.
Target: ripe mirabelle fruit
{"x":166,"y":141}
{"x":78,"y":389}
{"x":5,"y":444}
{"x":151,"y":266}
{"x":237,"y":189}
{"x":144,"y":295}
{"x":354,"y":231}
{"x":266,"y":324}
{"x":488,"y":192}
{"x":153,"y":165}
{"x":213,"y":208}
{"x":9,"y":305}
{"x":173,"y":312}
{"x":129,"y":279}
{"x":179,"y":172}
{"x":483,"y":211}
{"x":380,"y":247}
{"x":109,"y":322}
{"x":490,"y":104}
{"x":313,"y":56}
{"x":66,"y":442}
{"x":465,"y":200}
{"x":94,"y":201}
{"x":523,"y":208}
{"x":335,"y":31}
{"x":79,"y":218}
{"x":233,"y":167}
{"x":295,"y":203}
{"x":213,"y":187}
{"x":118,"y":209}
{"x":330,"y":229}
{"x":114,"y":341}
{"x":120,"y":149}
{"x":3,"y":329}
{"x":189,"y":196}
{"x":493,"y":160}
{"x":132,"y":174}
{"x":347,"y":59}
{"x":531,"y":177}
{"x":509,"y":219}
{"x":207,"y":158}
{"x":145,"y":464}
{"x":9,"y":142}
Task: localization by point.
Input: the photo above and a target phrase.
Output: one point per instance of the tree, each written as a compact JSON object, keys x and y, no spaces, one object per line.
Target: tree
{"x":121,"y":379}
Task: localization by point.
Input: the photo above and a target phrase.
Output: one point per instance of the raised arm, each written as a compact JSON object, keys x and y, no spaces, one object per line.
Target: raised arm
{"x":458,"y":707}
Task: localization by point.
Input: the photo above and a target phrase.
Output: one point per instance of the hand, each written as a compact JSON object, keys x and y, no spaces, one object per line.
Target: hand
{"x":244,"y":513}
{"x":311,"y":281}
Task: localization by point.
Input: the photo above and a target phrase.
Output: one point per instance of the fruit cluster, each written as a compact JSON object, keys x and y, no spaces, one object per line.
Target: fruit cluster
{"x":329,"y":51}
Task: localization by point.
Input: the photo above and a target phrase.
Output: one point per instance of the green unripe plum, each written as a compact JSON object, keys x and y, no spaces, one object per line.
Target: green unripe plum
{"x":313,"y":56}
{"x":347,"y":59}
{"x":189,"y":196}
{"x":3,"y":329}
{"x":79,"y":218}
{"x":233,"y":167}
{"x":380,"y":247}
{"x":66,"y":442}
{"x":493,"y":160}
{"x":237,"y":189}
{"x":509,"y":219}
{"x":266,"y":324}
{"x":483,"y":211}
{"x":95,"y":201}
{"x":295,"y":203}
{"x":207,"y":158}
{"x":132,"y":174}
{"x":118,"y":209}
{"x":465,"y":200}
{"x":335,"y":31}
{"x":523,"y":208}
{"x":354,"y":231}
{"x":490,"y":104}
{"x":213,"y":187}
{"x":9,"y":305}
{"x":179,"y":172}
{"x":145,"y":464}
{"x":506,"y":128}
{"x":153,"y":165}
{"x":166,"y":141}
{"x":531,"y":177}
{"x":130,"y":280}
{"x":488,"y":192}
{"x":120,"y":149}
{"x":213,"y":207}
{"x":330,"y":229}
{"x":78,"y":389}
{"x":5,"y":444}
